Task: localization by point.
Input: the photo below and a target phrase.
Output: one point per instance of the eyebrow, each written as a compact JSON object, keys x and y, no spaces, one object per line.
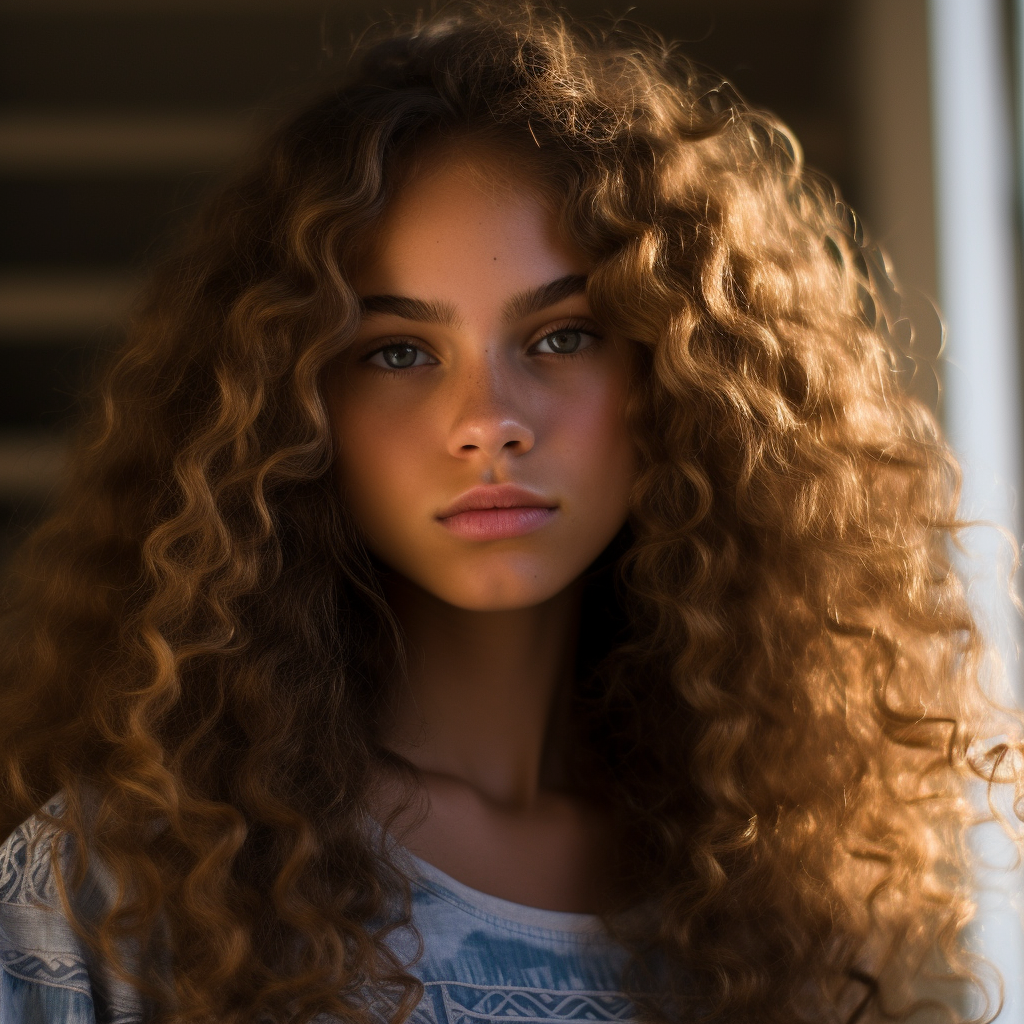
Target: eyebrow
{"x":518,"y":307}
{"x":442,"y":313}
{"x":527,"y":303}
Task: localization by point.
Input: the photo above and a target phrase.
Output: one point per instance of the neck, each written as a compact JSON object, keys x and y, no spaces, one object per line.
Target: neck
{"x":481,"y":690}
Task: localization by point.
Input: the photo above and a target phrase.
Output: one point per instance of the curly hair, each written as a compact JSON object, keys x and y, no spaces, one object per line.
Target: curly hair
{"x":196,"y":643}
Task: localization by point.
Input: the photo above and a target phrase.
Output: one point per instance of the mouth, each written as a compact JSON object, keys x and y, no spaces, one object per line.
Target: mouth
{"x":497,"y":512}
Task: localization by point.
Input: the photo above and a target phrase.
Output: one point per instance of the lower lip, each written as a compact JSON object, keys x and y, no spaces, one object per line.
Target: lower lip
{"x":497,"y":523}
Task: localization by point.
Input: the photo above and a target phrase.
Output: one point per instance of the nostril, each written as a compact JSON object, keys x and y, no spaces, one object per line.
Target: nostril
{"x":490,"y":437}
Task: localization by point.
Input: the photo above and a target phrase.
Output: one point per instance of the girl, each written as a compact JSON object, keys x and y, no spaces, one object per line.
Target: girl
{"x":502,"y":576}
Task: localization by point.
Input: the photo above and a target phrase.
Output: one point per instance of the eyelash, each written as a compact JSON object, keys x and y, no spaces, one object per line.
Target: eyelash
{"x":570,"y":326}
{"x":389,"y":371}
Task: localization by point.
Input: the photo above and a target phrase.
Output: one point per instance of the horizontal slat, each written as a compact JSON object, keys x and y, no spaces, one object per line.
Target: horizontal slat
{"x":52,"y":306}
{"x":51,"y":144}
{"x":30,"y":465}
{"x":93,"y":224}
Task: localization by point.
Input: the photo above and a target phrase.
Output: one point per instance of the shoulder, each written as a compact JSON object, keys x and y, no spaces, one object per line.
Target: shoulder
{"x":46,"y":972}
{"x":26,"y":869}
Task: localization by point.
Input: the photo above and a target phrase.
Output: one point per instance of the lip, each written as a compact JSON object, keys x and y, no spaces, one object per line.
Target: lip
{"x":497,"y":512}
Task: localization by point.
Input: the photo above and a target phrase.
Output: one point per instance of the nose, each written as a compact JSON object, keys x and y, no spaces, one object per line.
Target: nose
{"x":491,"y":417}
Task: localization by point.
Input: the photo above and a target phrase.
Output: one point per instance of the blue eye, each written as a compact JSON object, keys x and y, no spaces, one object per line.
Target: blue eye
{"x":564,"y":342}
{"x":399,"y":357}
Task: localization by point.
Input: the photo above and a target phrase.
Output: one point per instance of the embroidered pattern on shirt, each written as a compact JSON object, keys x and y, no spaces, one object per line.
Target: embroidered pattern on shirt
{"x":58,"y":970}
{"x":21,"y":881}
{"x":483,"y":1003}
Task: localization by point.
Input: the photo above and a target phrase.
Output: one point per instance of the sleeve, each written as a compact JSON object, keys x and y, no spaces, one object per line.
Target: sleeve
{"x":46,"y":977}
{"x":32,"y":1002}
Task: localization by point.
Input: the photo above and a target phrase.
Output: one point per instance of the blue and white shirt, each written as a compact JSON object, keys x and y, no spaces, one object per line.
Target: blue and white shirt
{"x":485,"y":960}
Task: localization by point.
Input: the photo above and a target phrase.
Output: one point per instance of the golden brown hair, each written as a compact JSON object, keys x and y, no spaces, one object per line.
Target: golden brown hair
{"x":196,"y":645}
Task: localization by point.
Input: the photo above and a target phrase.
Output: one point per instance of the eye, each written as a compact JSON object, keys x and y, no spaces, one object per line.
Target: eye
{"x":399,"y":357}
{"x":564,"y":341}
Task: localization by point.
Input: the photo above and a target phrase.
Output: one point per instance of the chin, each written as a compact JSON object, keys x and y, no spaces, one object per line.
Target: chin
{"x":480,"y":592}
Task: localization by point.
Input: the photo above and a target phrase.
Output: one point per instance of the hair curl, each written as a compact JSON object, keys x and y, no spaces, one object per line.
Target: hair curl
{"x":195,"y":640}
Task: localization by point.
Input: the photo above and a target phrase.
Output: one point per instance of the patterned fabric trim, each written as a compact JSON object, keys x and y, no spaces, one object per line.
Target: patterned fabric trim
{"x":58,"y":970}
{"x":482,"y":1003}
{"x":24,"y":882}
{"x":452,"y":1002}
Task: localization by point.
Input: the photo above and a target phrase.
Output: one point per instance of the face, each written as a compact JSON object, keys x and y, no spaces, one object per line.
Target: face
{"x":478,"y":415}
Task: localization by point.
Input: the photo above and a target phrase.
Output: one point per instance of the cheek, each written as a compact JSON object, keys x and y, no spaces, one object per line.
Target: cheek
{"x":377,"y":458}
{"x":597,"y":449}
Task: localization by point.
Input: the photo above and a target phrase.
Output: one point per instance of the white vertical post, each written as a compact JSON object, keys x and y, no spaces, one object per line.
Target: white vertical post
{"x":977,"y":280}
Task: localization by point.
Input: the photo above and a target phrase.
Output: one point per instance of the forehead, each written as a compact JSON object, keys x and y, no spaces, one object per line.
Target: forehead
{"x":466,"y":220}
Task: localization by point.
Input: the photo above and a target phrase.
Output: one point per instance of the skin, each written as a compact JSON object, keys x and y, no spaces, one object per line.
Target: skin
{"x":492,"y":393}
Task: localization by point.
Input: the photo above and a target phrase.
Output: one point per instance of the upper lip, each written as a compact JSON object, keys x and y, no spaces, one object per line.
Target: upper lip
{"x":495,"y":496}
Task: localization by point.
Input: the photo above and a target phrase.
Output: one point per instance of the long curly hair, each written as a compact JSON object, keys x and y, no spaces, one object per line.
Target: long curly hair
{"x":196,"y":644}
